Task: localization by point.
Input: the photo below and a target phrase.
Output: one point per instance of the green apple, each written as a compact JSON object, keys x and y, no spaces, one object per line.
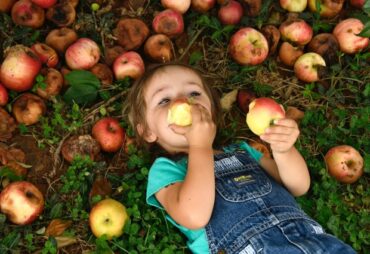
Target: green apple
{"x":108,"y":217}
{"x":179,"y":113}
{"x":262,"y":112}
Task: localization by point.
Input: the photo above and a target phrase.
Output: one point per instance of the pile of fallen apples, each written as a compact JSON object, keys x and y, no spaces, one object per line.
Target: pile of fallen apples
{"x":63,"y":51}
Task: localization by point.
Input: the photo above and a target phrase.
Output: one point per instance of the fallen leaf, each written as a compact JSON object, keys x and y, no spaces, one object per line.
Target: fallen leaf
{"x":294,"y":113}
{"x":101,"y":186}
{"x":57,"y":227}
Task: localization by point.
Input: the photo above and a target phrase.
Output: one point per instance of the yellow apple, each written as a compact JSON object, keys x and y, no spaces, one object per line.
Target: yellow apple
{"x":108,"y":217}
{"x":262,"y":112}
{"x":179,"y":113}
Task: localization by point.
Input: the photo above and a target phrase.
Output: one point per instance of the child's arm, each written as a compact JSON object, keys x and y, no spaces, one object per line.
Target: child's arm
{"x":190,"y":203}
{"x":288,"y":165}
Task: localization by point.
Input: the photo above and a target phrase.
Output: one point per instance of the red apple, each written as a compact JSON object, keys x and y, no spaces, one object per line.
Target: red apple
{"x":308,"y":66}
{"x":202,"y":5}
{"x":293,"y":5}
{"x":108,"y":217}
{"x":244,"y":98}
{"x":179,"y":113}
{"x":3,"y":95}
{"x":26,"y":13}
{"x":28,"y":108}
{"x":328,"y":8}
{"x":45,"y":3}
{"x":109,"y":133}
{"x":22,"y":202}
{"x":131,"y":33}
{"x":82,"y":54}
{"x":230,"y":13}
{"x":262,"y":112}
{"x":248,"y":47}
{"x":180,"y":6}
{"x":6,"y":5}
{"x":357,"y":3}
{"x":19,"y":68}
{"x":129,"y":64}
{"x":344,"y":163}
{"x":60,"y":39}
{"x":346,"y":32}
{"x":288,"y":54}
{"x":46,"y":54}
{"x":296,"y":31}
{"x":168,"y":22}
{"x":53,"y":81}
{"x":159,"y":47}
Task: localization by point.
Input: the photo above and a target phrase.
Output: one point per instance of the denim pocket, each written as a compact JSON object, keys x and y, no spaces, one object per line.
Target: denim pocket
{"x":240,"y":183}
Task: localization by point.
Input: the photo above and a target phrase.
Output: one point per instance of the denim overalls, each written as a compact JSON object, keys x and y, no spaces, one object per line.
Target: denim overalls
{"x":254,"y":214}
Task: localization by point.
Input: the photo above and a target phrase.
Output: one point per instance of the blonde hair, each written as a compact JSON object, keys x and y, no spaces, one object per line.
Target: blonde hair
{"x":136,"y":106}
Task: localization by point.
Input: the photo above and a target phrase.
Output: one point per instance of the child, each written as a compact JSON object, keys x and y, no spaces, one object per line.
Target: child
{"x":231,"y":201}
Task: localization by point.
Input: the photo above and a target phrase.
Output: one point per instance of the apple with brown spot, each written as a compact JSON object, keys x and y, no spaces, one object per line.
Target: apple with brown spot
{"x":128,"y":64}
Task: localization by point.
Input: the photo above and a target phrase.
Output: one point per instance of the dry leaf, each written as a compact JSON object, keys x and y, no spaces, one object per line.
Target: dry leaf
{"x":63,"y":241}
{"x":57,"y":227}
{"x":101,"y":186}
{"x":294,"y":113}
{"x":228,"y":99}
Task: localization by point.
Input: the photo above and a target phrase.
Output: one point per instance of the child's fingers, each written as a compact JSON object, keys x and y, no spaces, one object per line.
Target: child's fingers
{"x":273,"y":138}
{"x":286,"y":122}
{"x":279,"y":129}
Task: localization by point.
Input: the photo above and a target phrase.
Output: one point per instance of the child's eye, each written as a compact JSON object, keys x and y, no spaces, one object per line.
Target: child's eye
{"x":164,"y":101}
{"x":194,"y":94}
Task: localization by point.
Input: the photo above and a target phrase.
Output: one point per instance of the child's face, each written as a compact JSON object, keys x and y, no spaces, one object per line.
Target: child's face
{"x":170,"y":84}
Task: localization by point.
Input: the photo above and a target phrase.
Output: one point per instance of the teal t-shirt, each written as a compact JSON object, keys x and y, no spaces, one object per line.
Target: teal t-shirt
{"x":164,"y":172}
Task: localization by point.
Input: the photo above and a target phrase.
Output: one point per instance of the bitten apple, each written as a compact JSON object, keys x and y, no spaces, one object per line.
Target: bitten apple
{"x":248,"y":46}
{"x":179,"y":113}
{"x":109,"y":134}
{"x":262,"y":112}
{"x":344,"y":163}
{"x":308,"y":67}
{"x":22,"y":202}
{"x":108,"y":217}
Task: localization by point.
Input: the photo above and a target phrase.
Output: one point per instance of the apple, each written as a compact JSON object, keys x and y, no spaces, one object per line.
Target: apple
{"x":326,"y":45}
{"x":272,"y":35}
{"x":308,"y":67}
{"x":296,"y":31}
{"x":62,"y":14}
{"x":357,"y":3}
{"x":248,"y":46}
{"x":244,"y":98}
{"x":230,"y":13}
{"x":53,"y":80}
{"x":262,"y":112}
{"x":60,"y":39}
{"x":111,"y":53}
{"x":131,"y":33}
{"x":82,"y":54}
{"x":26,"y":13}
{"x":179,"y":113}
{"x":168,"y":22}
{"x":44,"y":3}
{"x":74,"y":3}
{"x":344,"y":163}
{"x":28,"y":108}
{"x":293,"y":5}
{"x":328,"y":8}
{"x":180,"y":6}
{"x":22,"y":202}
{"x":108,"y":217}
{"x":346,"y":32}
{"x":109,"y":134}
{"x":288,"y":54}
{"x":103,"y":73}
{"x":19,"y":68}
{"x":80,"y":145}
{"x":7,"y":125}
{"x":6,"y":5}
{"x":159,"y":47}
{"x":4,"y":97}
{"x":129,"y":64}
{"x":202,"y":5}
{"x":46,"y":54}
{"x":252,"y":7}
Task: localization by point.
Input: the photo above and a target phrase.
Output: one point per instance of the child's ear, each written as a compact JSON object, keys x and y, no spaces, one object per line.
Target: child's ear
{"x":148,"y":135}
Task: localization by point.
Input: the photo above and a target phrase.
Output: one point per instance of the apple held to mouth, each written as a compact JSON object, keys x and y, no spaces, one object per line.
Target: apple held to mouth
{"x":22,"y":202}
{"x":262,"y":112}
{"x":108,"y":217}
{"x":344,"y":163}
{"x":179,"y":113}
{"x":248,"y":46}
{"x":109,"y":134}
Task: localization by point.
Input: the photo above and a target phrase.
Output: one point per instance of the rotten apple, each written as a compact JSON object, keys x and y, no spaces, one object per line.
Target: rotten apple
{"x":248,"y":46}
{"x":129,"y":64}
{"x":109,"y":134}
{"x":180,"y":6}
{"x":179,"y":113}
{"x":288,"y":54}
{"x":6,"y":5}
{"x":231,"y":13}
{"x":46,"y":54}
{"x":309,"y":66}
{"x":159,"y":48}
{"x":262,"y":112}
{"x":325,"y":45}
{"x":111,"y":53}
{"x":28,"y":108}
{"x":53,"y":80}
{"x":168,"y":22}
{"x":80,"y":145}
{"x":82,"y":54}
{"x":344,"y":163}
{"x":272,"y":35}
{"x":297,"y":31}
{"x":62,"y":14}
{"x":19,"y":68}
{"x":202,"y":5}
{"x":244,"y":98}
{"x":103,"y":73}
{"x":22,"y":202}
{"x":26,"y":13}
{"x":252,"y":7}
{"x":131,"y":33}
{"x":60,"y":39}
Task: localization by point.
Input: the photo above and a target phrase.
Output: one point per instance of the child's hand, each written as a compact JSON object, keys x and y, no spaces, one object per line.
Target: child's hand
{"x":202,"y":131}
{"x":282,"y":135}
